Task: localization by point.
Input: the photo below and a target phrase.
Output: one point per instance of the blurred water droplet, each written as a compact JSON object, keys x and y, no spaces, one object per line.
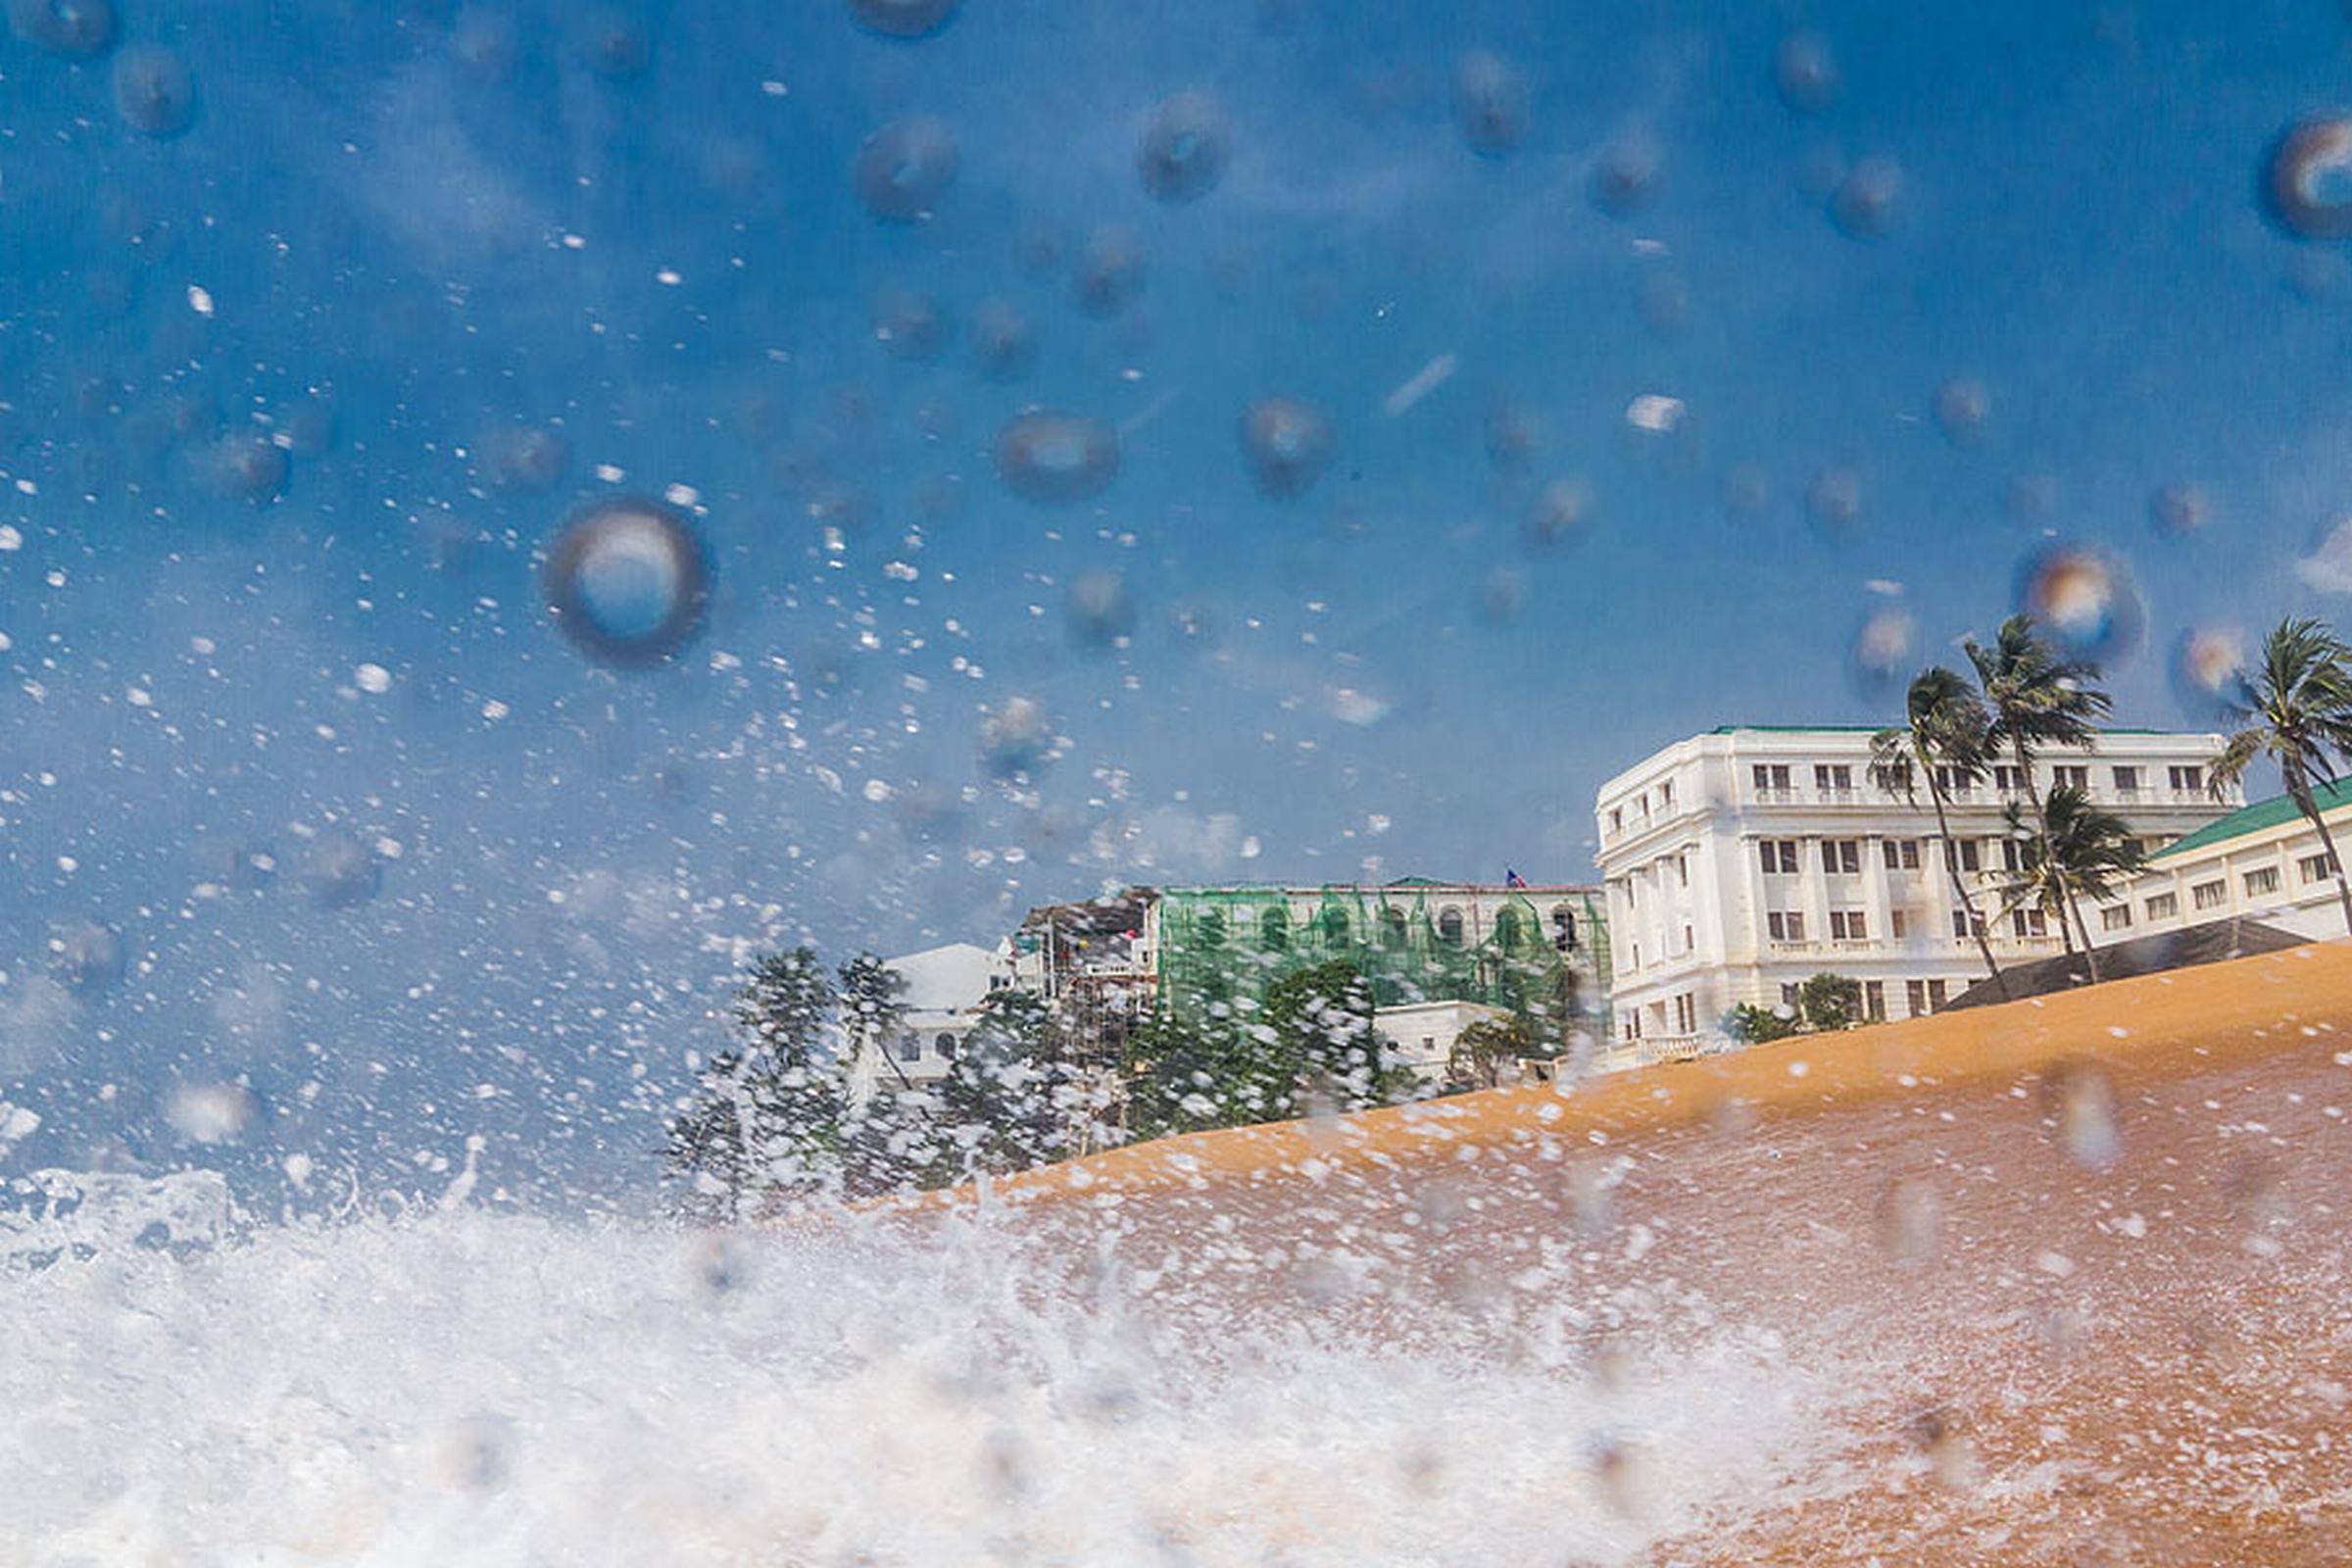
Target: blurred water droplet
{"x":626,"y":581}
{"x":1883,"y":649}
{"x":1003,"y":340}
{"x":477,"y":1452}
{"x":903,"y":18}
{"x":1868,"y":202}
{"x":1950,"y":1457}
{"x":305,"y":427}
{"x":2307,"y":180}
{"x":2177,"y":511}
{"x":75,"y":30}
{"x":484,"y":43}
{"x":2086,"y":600}
{"x":87,"y":959}
{"x":617,"y":44}
{"x":1512,"y":436}
{"x":719,"y":1263}
{"x":1016,"y":739}
{"x":247,"y":468}
{"x":2083,"y":1106}
{"x":1110,"y":273}
{"x":153,"y":92}
{"x":904,"y":169}
{"x":2207,"y":662}
{"x":1184,"y":148}
{"x":1560,"y":511}
{"x":911,"y":325}
{"x":211,"y":1113}
{"x":1099,"y":611}
{"x":1288,"y":445}
{"x":1501,"y":593}
{"x":1961,"y":407}
{"x":341,"y":871}
{"x":1617,"y":1474}
{"x":1805,"y":73}
{"x":1833,"y":501}
{"x":1490,"y":104}
{"x":1910,"y":1221}
{"x":527,"y":461}
{"x":1057,"y":459}
{"x":1626,"y":176}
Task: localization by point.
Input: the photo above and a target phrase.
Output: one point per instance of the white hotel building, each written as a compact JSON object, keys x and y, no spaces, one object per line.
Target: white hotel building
{"x":1742,"y":861}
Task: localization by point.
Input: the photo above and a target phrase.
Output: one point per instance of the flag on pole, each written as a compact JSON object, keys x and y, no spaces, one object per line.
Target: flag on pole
{"x":1512,"y":879}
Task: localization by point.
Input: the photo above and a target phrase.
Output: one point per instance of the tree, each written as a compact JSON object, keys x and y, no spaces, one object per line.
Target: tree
{"x":2085,"y":852}
{"x":765,"y":1119}
{"x":2038,"y":697}
{"x":1830,"y":1001}
{"x":2295,"y":705}
{"x":1179,"y":1076}
{"x":1944,"y":736}
{"x":1755,"y":1025}
{"x":1487,"y":1051}
{"x":1002,"y":1104}
{"x":1318,"y":1039}
{"x":887,"y":1140}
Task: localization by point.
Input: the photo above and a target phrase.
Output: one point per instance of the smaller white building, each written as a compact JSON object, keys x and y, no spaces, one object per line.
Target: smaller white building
{"x":2261,"y":862}
{"x":1421,"y":1034}
{"x":945,"y":987}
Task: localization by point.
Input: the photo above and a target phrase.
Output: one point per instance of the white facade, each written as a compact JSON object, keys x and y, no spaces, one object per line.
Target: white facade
{"x":1742,"y":861}
{"x":945,"y":987}
{"x":2263,"y":864}
{"x":1421,"y":1034}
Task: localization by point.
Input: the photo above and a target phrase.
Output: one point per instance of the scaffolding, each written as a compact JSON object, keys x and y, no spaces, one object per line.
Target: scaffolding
{"x":1543,"y":951}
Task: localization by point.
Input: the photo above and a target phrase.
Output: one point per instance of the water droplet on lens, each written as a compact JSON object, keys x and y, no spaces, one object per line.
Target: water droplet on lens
{"x":2307,"y":182}
{"x":76,"y":29}
{"x":88,"y":957}
{"x":2207,"y":662}
{"x":1512,"y":436}
{"x":1805,"y":73}
{"x":153,"y":92}
{"x":1868,"y":202}
{"x":529,"y":461}
{"x":1288,"y":444}
{"x":2085,"y":598}
{"x":1626,"y":176}
{"x":1183,"y":151}
{"x":1833,"y":501}
{"x":911,"y":325}
{"x":1015,"y":740}
{"x":1110,"y":273}
{"x":247,"y":468}
{"x":1003,"y":340}
{"x":1961,"y":407}
{"x":341,"y":871}
{"x":1882,"y":651}
{"x":484,"y":44}
{"x":904,"y":169}
{"x":1057,"y":459}
{"x":477,"y":1452}
{"x":2179,"y":509}
{"x":626,"y":581}
{"x":1100,"y":610}
{"x":211,"y":1113}
{"x":903,"y":18}
{"x":618,"y":46}
{"x":2082,"y":1100}
{"x":1559,"y":511}
{"x":307,"y":427}
{"x":1490,"y":104}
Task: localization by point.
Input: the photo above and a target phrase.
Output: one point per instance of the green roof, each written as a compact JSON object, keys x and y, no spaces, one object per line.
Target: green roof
{"x":1420,"y":882}
{"x":1873,"y":729}
{"x":2254,"y":818}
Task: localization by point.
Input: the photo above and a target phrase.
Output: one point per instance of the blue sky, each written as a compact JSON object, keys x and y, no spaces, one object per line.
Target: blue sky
{"x":444,"y":226}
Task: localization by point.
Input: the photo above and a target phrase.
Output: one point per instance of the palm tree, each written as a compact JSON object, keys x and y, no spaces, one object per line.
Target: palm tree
{"x":2085,"y":852}
{"x":2038,"y":697}
{"x":2296,"y":705}
{"x":1943,"y":737}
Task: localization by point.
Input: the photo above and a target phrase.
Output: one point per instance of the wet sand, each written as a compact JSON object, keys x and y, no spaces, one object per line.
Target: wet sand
{"x":2080,"y":1261}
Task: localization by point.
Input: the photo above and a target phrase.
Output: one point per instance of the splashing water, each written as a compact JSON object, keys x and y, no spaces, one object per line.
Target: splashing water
{"x":467,"y":1388}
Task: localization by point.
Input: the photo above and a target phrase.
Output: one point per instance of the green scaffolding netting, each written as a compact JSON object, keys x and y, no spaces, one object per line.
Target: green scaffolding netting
{"x":1221,"y":948}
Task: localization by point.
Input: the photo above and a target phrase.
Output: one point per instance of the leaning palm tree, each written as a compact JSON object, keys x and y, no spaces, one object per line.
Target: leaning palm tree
{"x":1943,"y":737}
{"x":2295,"y":705}
{"x":2085,"y":852}
{"x":2038,"y":696}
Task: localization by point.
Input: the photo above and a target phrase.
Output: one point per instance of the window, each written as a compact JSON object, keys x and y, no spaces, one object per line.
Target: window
{"x":909,"y":1047}
{"x":1952,"y":780}
{"x":1391,"y":928}
{"x":2009,"y":779}
{"x":1335,"y":927}
{"x":1898,"y":923}
{"x":2126,"y":780}
{"x":1892,"y":778}
{"x":2187,"y":778}
{"x":1212,"y":929}
{"x":1874,"y":1000}
{"x":2163,"y":905}
{"x":1786,"y":925}
{"x":1934,"y":995}
{"x":1563,"y":927}
{"x":2262,"y":880}
{"x":945,"y":1044}
{"x":1449,"y":924}
{"x":1915,"y":999}
{"x":1902,"y":855}
{"x":1616,"y":819}
{"x":1769,"y":775}
{"x":2209,"y":894}
{"x":1841,"y":855}
{"x":1961,"y":931}
{"x":1780,"y":857}
{"x":2013,"y":854}
{"x":1690,"y":940}
{"x":1507,"y":930}
{"x":1787,"y":995}
{"x":1848,"y":925}
{"x":2115,"y":917}
{"x":1666,"y":795}
{"x":1838,"y":776}
{"x":1964,"y":853}
{"x":1274,"y":929}
{"x":1682,"y":870}
{"x":2029,"y":923}
{"x":1686,"y":1014}
{"x":2071,"y":776}
{"x":2315,"y":867}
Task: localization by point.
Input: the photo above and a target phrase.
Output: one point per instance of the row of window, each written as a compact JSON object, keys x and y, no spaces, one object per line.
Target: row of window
{"x":1921,"y":998}
{"x":1510,"y":930}
{"x":911,"y":1047}
{"x":1838,"y":778}
{"x":1665,"y":791}
{"x":2261,"y":882}
{"x":1852,"y":925}
{"x":1843,"y":856}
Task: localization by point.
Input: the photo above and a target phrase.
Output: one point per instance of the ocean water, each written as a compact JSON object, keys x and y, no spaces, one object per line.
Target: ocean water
{"x":454,"y":1388}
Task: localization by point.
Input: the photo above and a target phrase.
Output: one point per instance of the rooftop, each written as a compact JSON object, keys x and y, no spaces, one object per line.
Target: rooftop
{"x":2253,"y":819}
{"x":1873,"y":729}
